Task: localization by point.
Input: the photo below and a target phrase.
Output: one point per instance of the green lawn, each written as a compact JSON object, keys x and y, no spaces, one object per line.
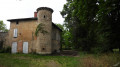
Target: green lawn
{"x":34,"y":60}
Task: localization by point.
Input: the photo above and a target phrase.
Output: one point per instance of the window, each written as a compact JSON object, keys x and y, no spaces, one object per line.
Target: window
{"x":17,"y":22}
{"x":15,"y":33}
{"x":44,"y":16}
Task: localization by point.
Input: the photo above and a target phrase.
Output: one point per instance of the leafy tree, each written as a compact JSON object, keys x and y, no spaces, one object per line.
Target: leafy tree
{"x":93,"y":24}
{"x":108,"y":16}
{"x":79,"y":19}
{"x":66,"y":37}
{"x":3,"y":27}
{"x":115,"y":24}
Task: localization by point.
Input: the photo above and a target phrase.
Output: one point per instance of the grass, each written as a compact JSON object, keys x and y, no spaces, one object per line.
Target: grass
{"x":101,"y":60}
{"x":84,"y":60}
{"x":34,"y":60}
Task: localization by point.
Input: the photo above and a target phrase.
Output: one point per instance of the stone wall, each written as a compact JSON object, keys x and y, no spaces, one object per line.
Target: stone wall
{"x":44,"y":40}
{"x":41,"y":44}
{"x":25,"y":33}
{"x":56,"y":37}
{"x":47,"y":43}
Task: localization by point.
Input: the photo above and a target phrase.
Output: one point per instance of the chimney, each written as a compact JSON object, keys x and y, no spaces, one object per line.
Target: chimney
{"x":35,"y":14}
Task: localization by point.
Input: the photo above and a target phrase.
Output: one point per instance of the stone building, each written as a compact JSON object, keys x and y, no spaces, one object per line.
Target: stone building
{"x":22,"y":36}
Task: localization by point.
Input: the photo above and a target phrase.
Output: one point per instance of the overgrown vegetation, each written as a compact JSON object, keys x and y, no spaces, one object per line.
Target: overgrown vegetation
{"x":3,"y":27}
{"x":1,"y":44}
{"x":66,"y":37}
{"x":40,"y":28}
{"x":5,"y":50}
{"x":100,"y":60}
{"x":93,"y":24}
{"x":84,"y":60}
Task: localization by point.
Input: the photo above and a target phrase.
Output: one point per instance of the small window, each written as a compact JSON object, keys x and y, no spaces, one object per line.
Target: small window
{"x":19,"y":33}
{"x":43,"y":48}
{"x":15,"y":33}
{"x":17,"y":22}
{"x":44,"y":16}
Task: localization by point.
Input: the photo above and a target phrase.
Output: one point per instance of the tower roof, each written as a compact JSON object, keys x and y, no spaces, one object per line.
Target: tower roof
{"x":45,"y":8}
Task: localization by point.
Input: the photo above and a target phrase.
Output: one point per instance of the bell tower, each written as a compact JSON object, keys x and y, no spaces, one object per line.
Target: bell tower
{"x":44,"y":17}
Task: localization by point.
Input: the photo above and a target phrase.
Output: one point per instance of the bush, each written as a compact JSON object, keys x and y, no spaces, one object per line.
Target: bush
{"x":1,"y":45}
{"x":6,"y":50}
{"x":98,"y":50}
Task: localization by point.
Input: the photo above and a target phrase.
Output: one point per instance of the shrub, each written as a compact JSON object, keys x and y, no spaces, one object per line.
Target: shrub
{"x":98,"y":50}
{"x":1,"y":45}
{"x":6,"y":50}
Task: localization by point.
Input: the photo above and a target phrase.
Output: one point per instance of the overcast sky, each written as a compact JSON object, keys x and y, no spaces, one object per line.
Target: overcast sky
{"x":12,"y":9}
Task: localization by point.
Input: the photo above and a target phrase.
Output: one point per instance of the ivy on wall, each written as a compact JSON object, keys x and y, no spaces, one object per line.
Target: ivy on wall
{"x":40,"y":28}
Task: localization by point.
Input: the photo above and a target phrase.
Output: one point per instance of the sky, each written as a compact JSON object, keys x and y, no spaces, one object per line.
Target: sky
{"x":13,"y":9}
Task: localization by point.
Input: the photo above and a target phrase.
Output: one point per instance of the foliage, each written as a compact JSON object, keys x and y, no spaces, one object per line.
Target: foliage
{"x":3,"y":27}
{"x":6,"y":50}
{"x":61,"y":27}
{"x":111,"y":18}
{"x":66,"y":36}
{"x":93,"y":24}
{"x":1,"y":45}
{"x":40,"y":28}
{"x":80,"y":22}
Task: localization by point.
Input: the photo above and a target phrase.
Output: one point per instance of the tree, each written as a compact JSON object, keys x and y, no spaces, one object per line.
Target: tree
{"x":79,"y":19}
{"x":66,"y":37}
{"x":108,"y":16}
{"x":3,"y":27}
{"x":93,"y":24}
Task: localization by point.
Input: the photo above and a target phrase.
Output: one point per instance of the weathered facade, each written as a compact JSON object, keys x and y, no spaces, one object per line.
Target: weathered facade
{"x":22,"y":34}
